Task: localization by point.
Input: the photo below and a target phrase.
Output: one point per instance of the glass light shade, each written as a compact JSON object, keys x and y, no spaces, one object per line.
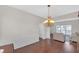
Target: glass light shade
{"x":49,"y":21}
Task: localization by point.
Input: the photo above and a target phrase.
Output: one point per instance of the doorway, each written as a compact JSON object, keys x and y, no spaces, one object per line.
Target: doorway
{"x":66,"y":30}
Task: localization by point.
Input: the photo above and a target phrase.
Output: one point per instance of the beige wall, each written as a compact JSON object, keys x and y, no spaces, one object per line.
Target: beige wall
{"x":18,"y":27}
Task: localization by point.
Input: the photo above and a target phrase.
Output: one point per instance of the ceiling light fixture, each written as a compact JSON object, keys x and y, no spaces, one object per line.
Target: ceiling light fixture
{"x":49,"y":21}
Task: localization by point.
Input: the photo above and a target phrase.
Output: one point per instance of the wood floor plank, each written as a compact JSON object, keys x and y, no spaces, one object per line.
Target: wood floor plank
{"x":48,"y":46}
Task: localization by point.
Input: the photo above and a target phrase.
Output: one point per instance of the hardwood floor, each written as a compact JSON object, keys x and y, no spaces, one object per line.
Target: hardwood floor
{"x":48,"y":46}
{"x":9,"y":48}
{"x":78,"y":47}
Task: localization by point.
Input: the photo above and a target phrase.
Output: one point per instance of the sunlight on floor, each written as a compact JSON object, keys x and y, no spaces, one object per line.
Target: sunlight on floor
{"x":68,"y":47}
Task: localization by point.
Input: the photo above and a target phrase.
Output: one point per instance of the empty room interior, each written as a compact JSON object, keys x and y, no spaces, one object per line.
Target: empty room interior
{"x":39,"y":28}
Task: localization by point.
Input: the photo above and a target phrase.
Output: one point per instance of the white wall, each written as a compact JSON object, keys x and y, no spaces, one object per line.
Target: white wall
{"x":44,"y":31}
{"x":18,"y":27}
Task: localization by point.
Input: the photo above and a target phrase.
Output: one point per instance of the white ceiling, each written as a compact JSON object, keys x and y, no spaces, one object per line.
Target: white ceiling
{"x":42,"y":10}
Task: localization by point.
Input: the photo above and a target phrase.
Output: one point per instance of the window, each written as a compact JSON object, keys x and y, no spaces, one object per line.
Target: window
{"x":58,"y":29}
{"x":65,"y":29}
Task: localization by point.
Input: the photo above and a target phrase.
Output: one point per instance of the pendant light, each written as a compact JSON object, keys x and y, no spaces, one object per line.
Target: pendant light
{"x":49,"y":21}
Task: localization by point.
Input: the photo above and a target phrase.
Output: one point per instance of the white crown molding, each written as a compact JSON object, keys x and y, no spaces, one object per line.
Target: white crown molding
{"x":69,"y":19}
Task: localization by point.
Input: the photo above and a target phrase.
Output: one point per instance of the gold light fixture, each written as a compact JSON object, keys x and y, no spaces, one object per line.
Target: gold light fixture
{"x":49,"y":21}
